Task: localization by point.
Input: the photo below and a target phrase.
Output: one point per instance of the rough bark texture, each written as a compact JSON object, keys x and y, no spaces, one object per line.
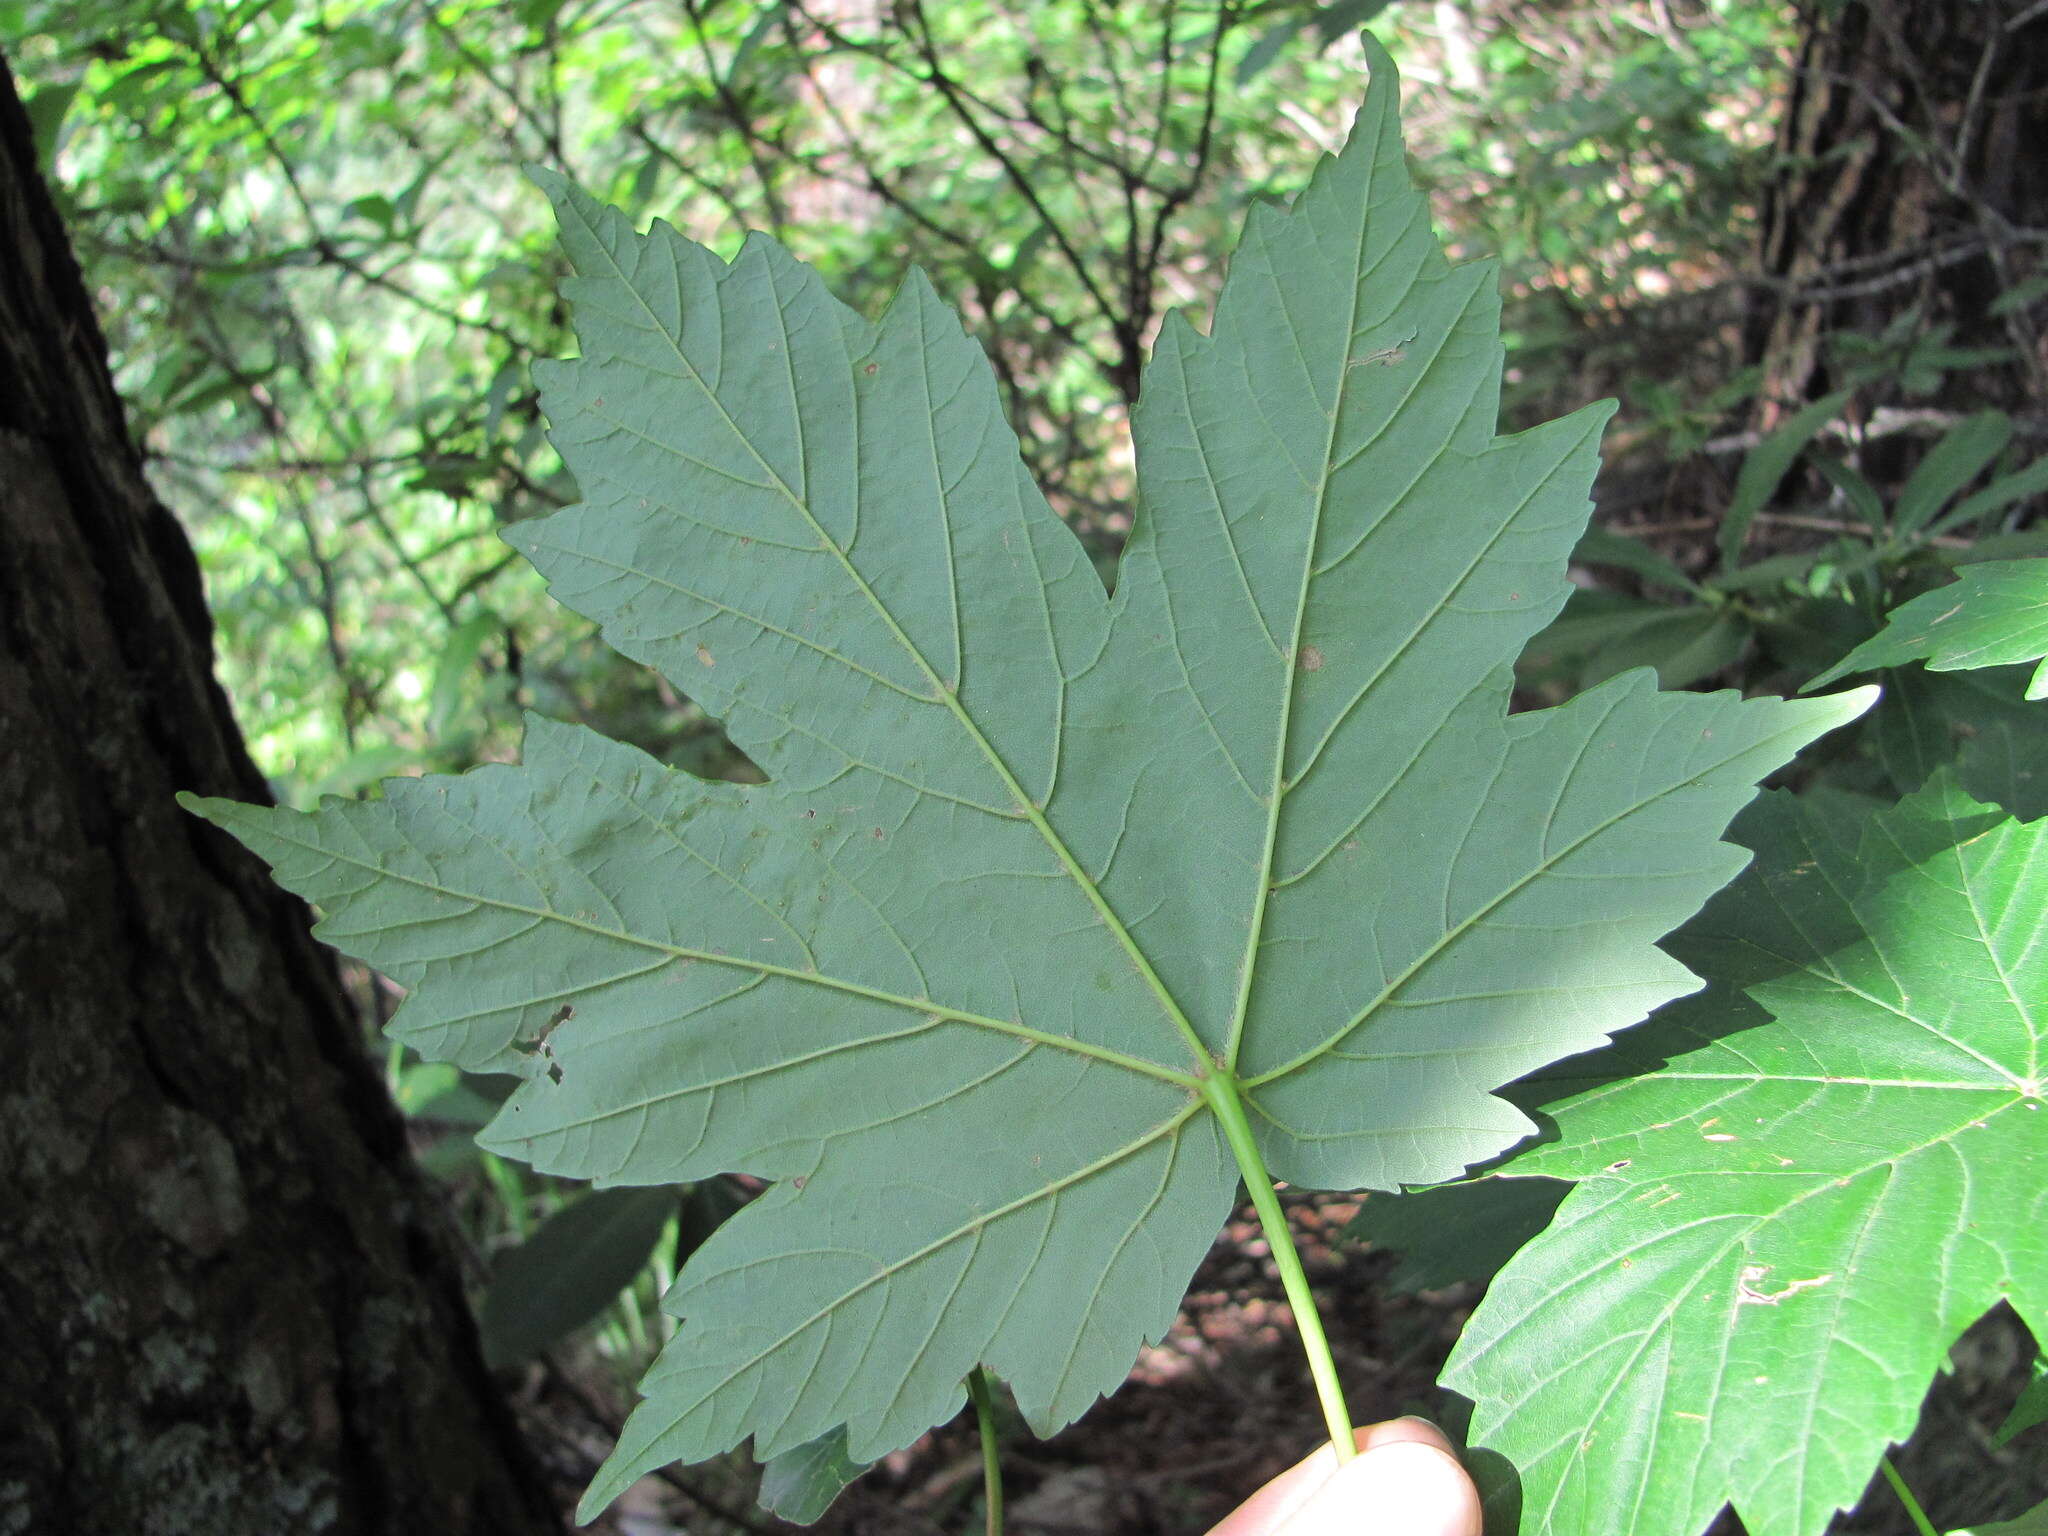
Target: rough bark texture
{"x":1912,"y":175}
{"x":226,"y":1308}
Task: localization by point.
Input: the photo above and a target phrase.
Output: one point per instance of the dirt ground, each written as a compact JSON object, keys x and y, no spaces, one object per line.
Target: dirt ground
{"x":1223,"y":1403}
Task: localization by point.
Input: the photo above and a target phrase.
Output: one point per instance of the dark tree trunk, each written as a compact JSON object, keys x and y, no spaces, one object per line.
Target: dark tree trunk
{"x":226,"y":1308}
{"x":1912,"y":179}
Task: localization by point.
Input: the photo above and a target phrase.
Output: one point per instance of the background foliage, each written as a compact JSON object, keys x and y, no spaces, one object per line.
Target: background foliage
{"x":324,"y":277}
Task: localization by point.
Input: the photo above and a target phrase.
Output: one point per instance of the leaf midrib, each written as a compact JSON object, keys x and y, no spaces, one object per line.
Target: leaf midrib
{"x":1277,"y":789}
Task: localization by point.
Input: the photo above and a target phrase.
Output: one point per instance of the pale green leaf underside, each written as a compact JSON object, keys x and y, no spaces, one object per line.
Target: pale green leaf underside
{"x":1993,"y":614}
{"x":1778,"y":1235}
{"x":1032,"y":861}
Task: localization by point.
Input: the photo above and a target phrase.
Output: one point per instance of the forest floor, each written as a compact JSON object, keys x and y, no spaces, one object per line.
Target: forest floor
{"x":1223,"y":1403}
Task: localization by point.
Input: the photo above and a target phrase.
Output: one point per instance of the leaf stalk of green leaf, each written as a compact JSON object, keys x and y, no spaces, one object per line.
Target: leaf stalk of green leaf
{"x":1223,"y":1098}
{"x":1914,"y":1512}
{"x":991,"y":1449}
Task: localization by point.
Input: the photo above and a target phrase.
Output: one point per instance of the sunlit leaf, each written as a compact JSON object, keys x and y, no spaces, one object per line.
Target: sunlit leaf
{"x":1779,"y":1230}
{"x":1993,"y":614}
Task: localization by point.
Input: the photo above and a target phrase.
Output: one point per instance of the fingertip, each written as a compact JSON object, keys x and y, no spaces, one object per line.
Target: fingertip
{"x":1412,"y":1483}
{"x":1410,"y":1429}
{"x":1405,"y":1481}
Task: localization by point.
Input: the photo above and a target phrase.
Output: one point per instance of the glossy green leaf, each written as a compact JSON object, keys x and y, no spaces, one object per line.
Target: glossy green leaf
{"x":2029,"y":480}
{"x":1861,"y":495}
{"x":470,"y":1102}
{"x":1778,"y":1233}
{"x":2024,"y":543}
{"x":764,"y":27}
{"x":47,"y":109}
{"x":1340,"y":17}
{"x":1992,"y":615}
{"x":1268,"y":47}
{"x":1045,"y":888}
{"x":457,"y":664}
{"x":1603,"y":634}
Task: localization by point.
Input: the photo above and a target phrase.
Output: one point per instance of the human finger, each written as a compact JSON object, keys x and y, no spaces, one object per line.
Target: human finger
{"x":1266,"y":1511}
{"x":1406,"y":1483}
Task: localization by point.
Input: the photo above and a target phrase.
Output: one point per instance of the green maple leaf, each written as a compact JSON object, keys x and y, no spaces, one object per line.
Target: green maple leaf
{"x":1778,"y":1235}
{"x":1993,"y":614}
{"x":1058,"y":912}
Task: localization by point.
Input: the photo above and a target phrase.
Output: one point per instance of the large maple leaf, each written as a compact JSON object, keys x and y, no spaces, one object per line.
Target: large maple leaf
{"x":1057,"y":913}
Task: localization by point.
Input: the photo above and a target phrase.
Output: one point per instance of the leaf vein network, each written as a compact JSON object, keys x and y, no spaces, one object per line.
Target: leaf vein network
{"x":951,"y":702}
{"x":789,"y":973}
{"x":1451,"y":936}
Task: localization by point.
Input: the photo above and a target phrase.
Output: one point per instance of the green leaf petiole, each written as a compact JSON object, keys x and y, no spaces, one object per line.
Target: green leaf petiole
{"x":1914,"y":1512}
{"x":991,"y":1450}
{"x":1223,"y":1098}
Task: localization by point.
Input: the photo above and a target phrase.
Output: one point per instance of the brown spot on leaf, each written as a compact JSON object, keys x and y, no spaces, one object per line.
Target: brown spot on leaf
{"x":704,"y":655}
{"x":1310,"y":659}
